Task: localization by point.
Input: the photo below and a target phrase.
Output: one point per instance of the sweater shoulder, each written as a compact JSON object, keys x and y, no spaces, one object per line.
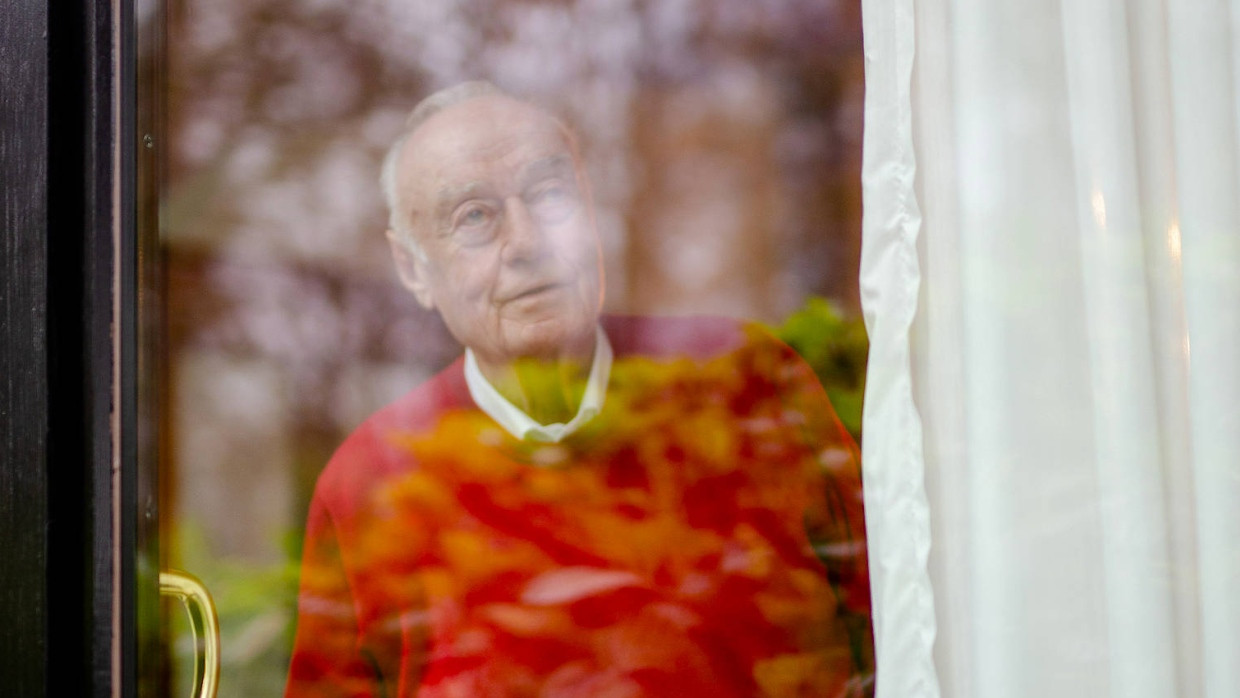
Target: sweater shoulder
{"x":371,"y":454}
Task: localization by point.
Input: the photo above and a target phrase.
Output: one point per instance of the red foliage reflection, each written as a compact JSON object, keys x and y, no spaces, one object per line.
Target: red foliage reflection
{"x":704,"y":535}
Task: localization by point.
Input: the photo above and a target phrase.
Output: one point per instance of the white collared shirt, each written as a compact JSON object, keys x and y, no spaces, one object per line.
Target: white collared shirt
{"x":520,"y":424}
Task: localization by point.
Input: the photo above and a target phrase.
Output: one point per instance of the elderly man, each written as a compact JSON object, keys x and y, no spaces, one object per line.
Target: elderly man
{"x":580,"y":506}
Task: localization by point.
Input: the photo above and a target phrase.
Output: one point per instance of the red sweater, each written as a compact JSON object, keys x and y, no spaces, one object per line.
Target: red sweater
{"x":703,"y":535}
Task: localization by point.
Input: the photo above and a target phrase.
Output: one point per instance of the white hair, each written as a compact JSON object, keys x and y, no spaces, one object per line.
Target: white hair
{"x":398,"y":219}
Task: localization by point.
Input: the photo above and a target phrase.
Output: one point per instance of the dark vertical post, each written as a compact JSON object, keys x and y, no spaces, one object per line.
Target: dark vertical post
{"x":80,"y":232}
{"x":57,"y":176}
{"x":24,"y":392}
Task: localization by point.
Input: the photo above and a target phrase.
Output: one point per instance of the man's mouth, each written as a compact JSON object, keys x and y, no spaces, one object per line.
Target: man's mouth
{"x":535,"y":290}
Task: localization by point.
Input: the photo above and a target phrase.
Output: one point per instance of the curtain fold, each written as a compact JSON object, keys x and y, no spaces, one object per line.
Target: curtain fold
{"x":1075,"y":355}
{"x":1204,"y":92}
{"x":897,"y":523}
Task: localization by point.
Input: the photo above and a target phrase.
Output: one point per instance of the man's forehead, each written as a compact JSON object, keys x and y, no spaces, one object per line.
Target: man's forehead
{"x":523,"y":171}
{"x":481,"y":137}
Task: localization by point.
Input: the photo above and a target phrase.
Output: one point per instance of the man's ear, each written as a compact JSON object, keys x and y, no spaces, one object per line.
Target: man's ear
{"x":412,"y":269}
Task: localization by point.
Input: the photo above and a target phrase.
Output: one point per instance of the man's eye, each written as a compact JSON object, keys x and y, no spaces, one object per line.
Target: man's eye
{"x":553,"y":202}
{"x":552,"y":192}
{"x":474,"y":215}
{"x":473,"y":224}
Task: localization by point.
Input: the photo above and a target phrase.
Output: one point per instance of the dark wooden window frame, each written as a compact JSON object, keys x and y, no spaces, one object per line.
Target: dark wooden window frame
{"x":67,"y":328}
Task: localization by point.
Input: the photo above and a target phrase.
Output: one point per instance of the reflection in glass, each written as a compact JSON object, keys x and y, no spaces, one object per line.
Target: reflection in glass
{"x":722,"y":142}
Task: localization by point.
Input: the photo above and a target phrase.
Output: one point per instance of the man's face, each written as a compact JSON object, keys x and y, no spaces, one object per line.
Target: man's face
{"x":501,"y":209}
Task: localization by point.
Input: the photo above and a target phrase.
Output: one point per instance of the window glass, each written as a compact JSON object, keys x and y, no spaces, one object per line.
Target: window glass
{"x":713,"y":168}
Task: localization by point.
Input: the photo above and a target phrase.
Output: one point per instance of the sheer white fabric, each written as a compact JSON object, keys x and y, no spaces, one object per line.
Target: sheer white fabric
{"x":1075,"y":356}
{"x":897,"y":516}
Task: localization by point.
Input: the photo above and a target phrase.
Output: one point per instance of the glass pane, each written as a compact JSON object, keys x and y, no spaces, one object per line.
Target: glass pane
{"x":701,"y":527}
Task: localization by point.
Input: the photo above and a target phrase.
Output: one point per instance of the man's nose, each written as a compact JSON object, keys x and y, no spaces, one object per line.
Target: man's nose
{"x":524,"y":238}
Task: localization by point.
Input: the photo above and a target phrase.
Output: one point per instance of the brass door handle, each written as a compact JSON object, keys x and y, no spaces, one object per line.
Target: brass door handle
{"x":202,"y":617}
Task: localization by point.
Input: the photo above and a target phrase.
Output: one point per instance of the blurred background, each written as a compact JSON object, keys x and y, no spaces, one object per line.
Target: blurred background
{"x":723,"y":139}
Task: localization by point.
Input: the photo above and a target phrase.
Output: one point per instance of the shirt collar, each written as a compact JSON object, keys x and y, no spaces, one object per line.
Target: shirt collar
{"x":520,"y":424}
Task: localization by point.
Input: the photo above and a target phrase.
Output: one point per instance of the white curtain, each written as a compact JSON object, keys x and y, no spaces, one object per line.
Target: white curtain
{"x":1051,"y":278}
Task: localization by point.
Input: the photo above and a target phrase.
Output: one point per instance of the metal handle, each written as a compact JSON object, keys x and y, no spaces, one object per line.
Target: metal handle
{"x":197,"y":602}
